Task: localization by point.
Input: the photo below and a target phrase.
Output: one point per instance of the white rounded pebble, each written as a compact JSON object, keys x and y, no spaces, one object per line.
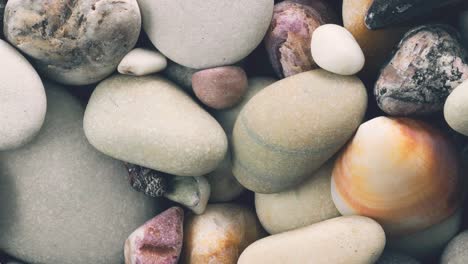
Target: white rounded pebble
{"x":334,"y":49}
{"x":139,"y":62}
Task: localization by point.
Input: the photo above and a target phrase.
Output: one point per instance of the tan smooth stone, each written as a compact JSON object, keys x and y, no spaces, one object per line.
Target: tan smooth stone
{"x":341,"y":240}
{"x":308,"y":203}
{"x":219,"y":235}
{"x":456,"y":109}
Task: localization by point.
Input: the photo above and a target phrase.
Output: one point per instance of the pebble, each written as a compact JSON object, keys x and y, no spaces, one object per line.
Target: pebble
{"x":376,"y":44}
{"x":192,"y":192}
{"x":341,"y":240}
{"x":181,"y":75}
{"x":23,"y":100}
{"x":213,"y":33}
{"x":335,"y":49}
{"x":151,"y":122}
{"x":428,"y":64}
{"x":139,"y":62}
{"x":159,"y":240}
{"x":456,"y":252}
{"x":62,"y":201}
{"x":220,"y":234}
{"x":308,"y":203}
{"x":220,"y":87}
{"x":73,"y":42}
{"x":275,"y":150}
{"x":393,"y":257}
{"x":288,"y":39}
{"x":456,"y":109}
{"x":224,"y":186}
{"x":2,"y":10}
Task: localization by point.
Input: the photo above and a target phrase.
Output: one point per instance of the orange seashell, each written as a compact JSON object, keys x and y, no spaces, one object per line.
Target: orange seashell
{"x":401,"y":172}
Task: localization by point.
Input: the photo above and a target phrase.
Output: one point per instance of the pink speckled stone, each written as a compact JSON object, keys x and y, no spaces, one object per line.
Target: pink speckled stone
{"x":220,"y":87}
{"x":158,"y":241}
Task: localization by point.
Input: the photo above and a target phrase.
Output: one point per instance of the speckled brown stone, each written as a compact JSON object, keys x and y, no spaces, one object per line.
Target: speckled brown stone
{"x":428,"y":64}
{"x":74,"y":41}
{"x":158,"y":241}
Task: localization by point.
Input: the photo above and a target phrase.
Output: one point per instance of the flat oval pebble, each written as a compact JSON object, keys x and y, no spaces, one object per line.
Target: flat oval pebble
{"x":456,"y":251}
{"x":22,"y":96}
{"x":141,"y":62}
{"x":341,"y":240}
{"x":73,"y":42}
{"x":292,"y":127}
{"x":456,"y":109}
{"x":220,"y":234}
{"x":151,"y":122}
{"x":335,"y":49}
{"x":220,"y":87}
{"x":205,"y":34}
{"x":61,"y":201}
{"x":308,"y":203}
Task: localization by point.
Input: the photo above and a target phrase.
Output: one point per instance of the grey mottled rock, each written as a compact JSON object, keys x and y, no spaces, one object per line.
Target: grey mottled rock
{"x":428,"y":64}
{"x":73,"y":42}
{"x":61,"y":201}
{"x":2,"y":9}
{"x":456,"y":251}
{"x":22,"y":99}
{"x":392,"y":257}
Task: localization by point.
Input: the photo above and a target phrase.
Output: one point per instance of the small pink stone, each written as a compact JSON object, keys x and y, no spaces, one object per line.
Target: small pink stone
{"x":220,"y":87}
{"x":158,"y":241}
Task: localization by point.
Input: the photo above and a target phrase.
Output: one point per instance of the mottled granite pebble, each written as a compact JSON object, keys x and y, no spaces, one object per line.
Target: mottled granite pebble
{"x":73,"y":42}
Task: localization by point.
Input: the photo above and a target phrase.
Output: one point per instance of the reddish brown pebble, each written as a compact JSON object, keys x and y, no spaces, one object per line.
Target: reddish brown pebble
{"x":220,"y":87}
{"x":158,"y":241}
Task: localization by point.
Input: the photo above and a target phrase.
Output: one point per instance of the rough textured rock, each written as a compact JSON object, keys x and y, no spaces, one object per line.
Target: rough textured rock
{"x":141,"y":62}
{"x":456,"y":109}
{"x":275,"y":150}
{"x":151,"y":122}
{"x":220,"y":87}
{"x":63,"y":202}
{"x":335,"y":50}
{"x":428,"y":64}
{"x":392,"y":257}
{"x":456,"y":251}
{"x":288,"y":38}
{"x":23,"y":101}
{"x":73,"y":42}
{"x":308,"y":203}
{"x":215,"y":32}
{"x":341,"y":240}
{"x":158,"y":241}
{"x":219,"y":235}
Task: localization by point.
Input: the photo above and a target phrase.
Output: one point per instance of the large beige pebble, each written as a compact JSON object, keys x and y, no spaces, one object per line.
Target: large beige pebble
{"x":456,"y":109}
{"x":341,"y":240}
{"x":289,"y":129}
{"x":220,"y":234}
{"x":308,"y":203}
{"x":151,"y":122}
{"x":334,"y":49}
{"x":22,"y":99}
{"x":205,"y":34}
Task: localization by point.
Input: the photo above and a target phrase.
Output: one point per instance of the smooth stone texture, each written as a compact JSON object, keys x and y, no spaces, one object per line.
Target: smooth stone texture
{"x":428,"y":63}
{"x":224,"y":186}
{"x":341,"y":240}
{"x":205,"y":34}
{"x":63,"y":202}
{"x":139,"y":62}
{"x":456,"y":109}
{"x":23,"y":100}
{"x":191,"y":192}
{"x":308,"y":203}
{"x":335,"y":50}
{"x":158,"y":241}
{"x":151,"y":122}
{"x":456,"y":252}
{"x":73,"y":42}
{"x":220,"y":234}
{"x":220,"y":87}
{"x":292,"y":127}
{"x":181,"y":75}
{"x":393,"y":257}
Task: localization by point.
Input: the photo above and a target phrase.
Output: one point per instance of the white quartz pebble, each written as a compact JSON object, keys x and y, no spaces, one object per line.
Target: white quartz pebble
{"x":139,"y":62}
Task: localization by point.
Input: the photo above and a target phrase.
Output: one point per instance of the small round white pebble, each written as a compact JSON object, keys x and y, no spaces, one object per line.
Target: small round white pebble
{"x":139,"y":62}
{"x":334,"y":49}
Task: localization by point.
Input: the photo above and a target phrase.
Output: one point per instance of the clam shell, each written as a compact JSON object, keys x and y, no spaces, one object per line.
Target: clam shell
{"x":401,"y":172}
